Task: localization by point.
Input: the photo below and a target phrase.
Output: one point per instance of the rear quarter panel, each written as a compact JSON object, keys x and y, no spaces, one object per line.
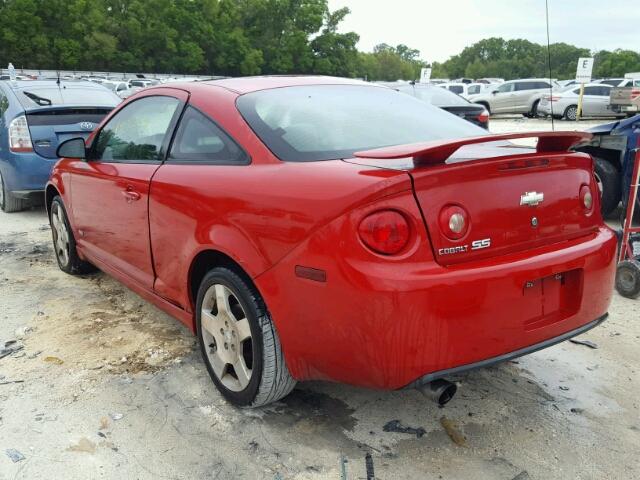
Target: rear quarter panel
{"x":253,"y":213}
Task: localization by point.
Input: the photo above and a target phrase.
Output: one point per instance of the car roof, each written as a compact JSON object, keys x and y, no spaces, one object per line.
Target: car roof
{"x":243,"y":85}
{"x":23,"y":84}
{"x":528,"y":80}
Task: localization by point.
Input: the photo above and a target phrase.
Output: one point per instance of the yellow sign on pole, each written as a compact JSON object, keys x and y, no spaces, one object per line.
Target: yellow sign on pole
{"x":579,"y":112}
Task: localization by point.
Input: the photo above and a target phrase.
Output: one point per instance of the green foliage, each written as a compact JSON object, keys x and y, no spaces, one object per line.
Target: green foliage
{"x":250,"y":37}
{"x":496,"y":57}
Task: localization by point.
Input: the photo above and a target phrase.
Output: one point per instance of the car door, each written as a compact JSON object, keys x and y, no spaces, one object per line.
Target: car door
{"x":110,"y":190}
{"x":204,"y":162}
{"x":501,"y":100}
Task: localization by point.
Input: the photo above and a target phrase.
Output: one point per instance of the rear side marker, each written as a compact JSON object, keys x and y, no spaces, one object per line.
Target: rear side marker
{"x":311,"y":273}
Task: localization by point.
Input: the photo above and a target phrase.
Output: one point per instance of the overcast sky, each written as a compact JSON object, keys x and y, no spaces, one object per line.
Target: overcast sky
{"x":443,"y":28}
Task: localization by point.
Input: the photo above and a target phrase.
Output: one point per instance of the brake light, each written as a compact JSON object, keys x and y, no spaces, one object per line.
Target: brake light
{"x":386,"y":232}
{"x":483,"y":117}
{"x":586,"y":198}
{"x":635,"y":93}
{"x":454,"y":221}
{"x":19,"y":136}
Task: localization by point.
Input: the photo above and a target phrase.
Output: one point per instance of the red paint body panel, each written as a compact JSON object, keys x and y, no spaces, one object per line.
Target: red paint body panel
{"x":377,"y":321}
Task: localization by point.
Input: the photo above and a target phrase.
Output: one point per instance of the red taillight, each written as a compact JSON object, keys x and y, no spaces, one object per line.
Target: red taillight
{"x":385,"y":232}
{"x":635,"y":93}
{"x":19,"y":136}
{"x":586,"y":198}
{"x":483,"y":117}
{"x":454,"y":221}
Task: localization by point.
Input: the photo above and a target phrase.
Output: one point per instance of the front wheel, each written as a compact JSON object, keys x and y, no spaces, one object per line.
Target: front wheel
{"x":238,"y":341}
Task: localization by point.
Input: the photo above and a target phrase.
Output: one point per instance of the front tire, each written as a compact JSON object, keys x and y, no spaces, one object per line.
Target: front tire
{"x":64,"y":243}
{"x":238,"y":341}
{"x":9,"y":203}
{"x":608,"y":178}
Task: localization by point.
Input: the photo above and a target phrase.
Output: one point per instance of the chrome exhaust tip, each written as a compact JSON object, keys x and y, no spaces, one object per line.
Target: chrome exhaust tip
{"x":440,"y":391}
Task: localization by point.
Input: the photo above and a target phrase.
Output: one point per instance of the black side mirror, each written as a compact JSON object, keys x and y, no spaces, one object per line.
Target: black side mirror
{"x":72,"y":148}
{"x":494,"y":92}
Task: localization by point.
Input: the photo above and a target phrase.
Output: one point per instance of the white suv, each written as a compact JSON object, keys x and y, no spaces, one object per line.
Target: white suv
{"x":515,"y":96}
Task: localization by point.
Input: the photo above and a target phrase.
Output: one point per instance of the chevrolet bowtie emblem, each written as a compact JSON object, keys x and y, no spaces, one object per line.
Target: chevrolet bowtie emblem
{"x":531,"y":198}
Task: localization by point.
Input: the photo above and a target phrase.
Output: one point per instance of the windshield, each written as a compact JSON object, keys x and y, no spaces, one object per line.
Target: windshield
{"x":324,"y":122}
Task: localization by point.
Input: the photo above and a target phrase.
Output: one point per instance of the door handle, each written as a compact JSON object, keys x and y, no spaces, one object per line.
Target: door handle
{"x":130,"y":195}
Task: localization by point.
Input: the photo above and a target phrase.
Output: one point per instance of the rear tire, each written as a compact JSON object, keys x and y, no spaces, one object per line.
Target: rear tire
{"x":628,"y":278}
{"x":609,"y":180}
{"x":238,"y":341}
{"x":534,"y":109}
{"x":64,"y":243}
{"x":9,"y":203}
{"x":571,"y":113}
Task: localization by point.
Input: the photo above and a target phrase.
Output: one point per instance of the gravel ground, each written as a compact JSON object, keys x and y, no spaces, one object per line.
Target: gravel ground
{"x":107,"y":386}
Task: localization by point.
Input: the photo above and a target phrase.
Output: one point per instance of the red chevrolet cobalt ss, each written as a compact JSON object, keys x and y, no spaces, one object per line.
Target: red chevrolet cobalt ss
{"x":328,"y":229}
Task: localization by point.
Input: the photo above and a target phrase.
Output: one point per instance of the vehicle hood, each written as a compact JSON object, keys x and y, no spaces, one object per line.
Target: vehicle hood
{"x":616,"y":128}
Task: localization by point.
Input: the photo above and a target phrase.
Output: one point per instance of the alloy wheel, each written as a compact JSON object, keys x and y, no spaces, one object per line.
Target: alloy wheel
{"x":60,"y":234}
{"x":227,"y":337}
{"x":572,"y":113}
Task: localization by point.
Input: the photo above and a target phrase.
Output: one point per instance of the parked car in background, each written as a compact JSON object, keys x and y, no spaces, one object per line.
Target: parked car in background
{"x":455,"y":87}
{"x":120,"y":88}
{"x":515,"y":96}
{"x":316,"y":228}
{"x":142,"y":82}
{"x":490,"y":80}
{"x":35,"y":117}
{"x":477,"y":88}
{"x":613,"y":82}
{"x":447,"y":100}
{"x":625,"y":98}
{"x":564,"y":104}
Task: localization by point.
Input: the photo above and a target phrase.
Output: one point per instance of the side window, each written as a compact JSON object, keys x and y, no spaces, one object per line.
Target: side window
{"x":541,"y":85}
{"x":591,"y":90}
{"x":520,"y":86}
{"x":473,"y":89}
{"x":456,"y":89}
{"x":199,"y":140}
{"x":137,"y":132}
{"x":505,"y":87}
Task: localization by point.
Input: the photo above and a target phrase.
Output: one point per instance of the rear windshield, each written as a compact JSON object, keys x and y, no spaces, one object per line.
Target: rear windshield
{"x":325,"y":122}
{"x":40,"y":96}
{"x":437,"y":96}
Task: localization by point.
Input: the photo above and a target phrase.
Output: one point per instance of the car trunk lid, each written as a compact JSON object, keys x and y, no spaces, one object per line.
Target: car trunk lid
{"x":514,"y":198}
{"x":50,"y":126}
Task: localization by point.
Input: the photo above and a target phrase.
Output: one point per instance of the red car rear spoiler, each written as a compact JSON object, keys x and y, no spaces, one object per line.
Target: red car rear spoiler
{"x":439,"y":151}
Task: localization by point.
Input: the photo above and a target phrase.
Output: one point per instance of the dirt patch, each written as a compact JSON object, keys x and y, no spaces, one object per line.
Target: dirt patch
{"x":116,"y":333}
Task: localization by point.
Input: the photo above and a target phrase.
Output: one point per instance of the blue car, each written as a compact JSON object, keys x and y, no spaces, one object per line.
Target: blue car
{"x":613,"y":149}
{"x":35,"y":117}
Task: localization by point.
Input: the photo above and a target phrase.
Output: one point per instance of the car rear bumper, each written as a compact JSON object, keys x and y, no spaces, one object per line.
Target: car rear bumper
{"x":25,"y":173}
{"x":386,"y":325}
{"x":430,"y":377}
